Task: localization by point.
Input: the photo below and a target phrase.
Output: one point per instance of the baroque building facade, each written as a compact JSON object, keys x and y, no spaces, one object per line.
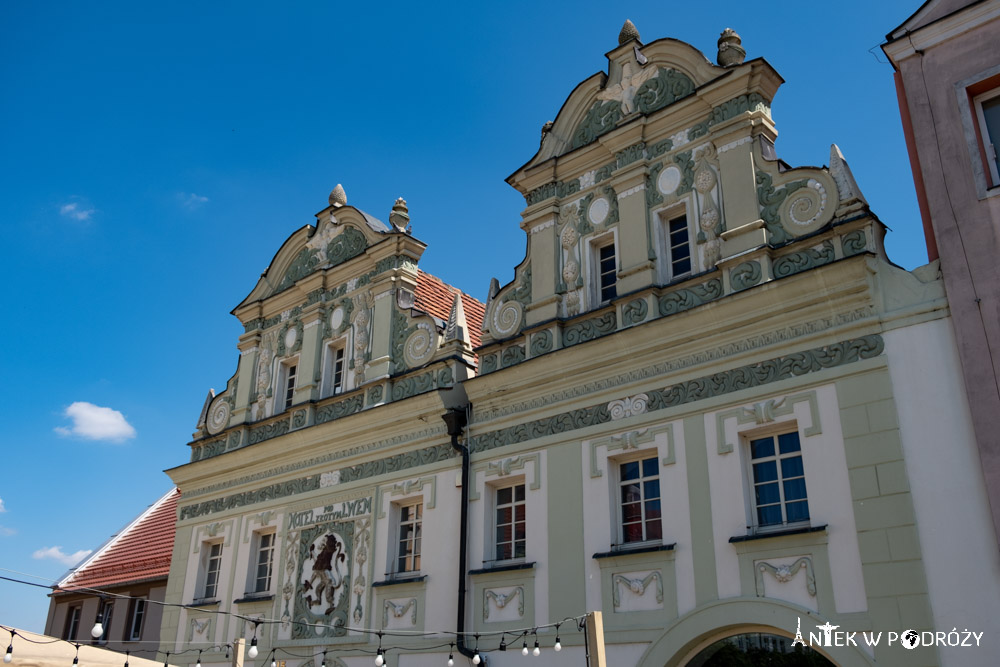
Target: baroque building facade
{"x":701,"y":407}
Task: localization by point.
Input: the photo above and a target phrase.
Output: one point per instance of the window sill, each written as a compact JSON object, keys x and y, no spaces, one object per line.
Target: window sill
{"x":635,"y":550}
{"x":777,"y":533}
{"x":503,"y":568}
{"x":204,"y":602}
{"x":254,"y":597}
{"x":418,"y":579}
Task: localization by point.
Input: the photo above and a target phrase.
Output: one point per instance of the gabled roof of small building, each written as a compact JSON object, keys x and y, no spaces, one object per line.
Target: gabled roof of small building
{"x":140,"y":552}
{"x":435,"y":297}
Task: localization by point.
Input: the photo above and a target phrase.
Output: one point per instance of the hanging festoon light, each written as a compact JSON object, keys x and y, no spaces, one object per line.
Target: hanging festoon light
{"x":252,"y":651}
{"x":198,"y":664}
{"x":451,"y":655}
{"x":503,"y":641}
{"x":323,"y":664}
{"x":166,"y":660}
{"x":274,"y":662}
{"x":380,"y":654}
{"x":98,"y":630}
{"x":524,"y":648}
{"x":227,"y":651}
{"x":126,"y":658}
{"x":475,"y":656}
{"x":558,"y":646}
{"x":9,"y":655}
{"x":76,"y":658}
{"x":537,"y":651}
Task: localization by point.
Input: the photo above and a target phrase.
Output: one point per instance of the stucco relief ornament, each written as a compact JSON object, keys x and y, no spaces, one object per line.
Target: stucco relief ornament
{"x":263,"y":382}
{"x":400,"y":216}
{"x":731,"y":51}
{"x":218,"y":415}
{"x":322,"y":238}
{"x":362,"y":318}
{"x":570,"y":272}
{"x":569,"y":235}
{"x":627,"y":407}
{"x":632,"y":77}
{"x":420,"y":345}
{"x":573,"y":303}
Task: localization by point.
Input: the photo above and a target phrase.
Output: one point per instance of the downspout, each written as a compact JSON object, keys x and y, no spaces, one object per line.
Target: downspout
{"x":455,"y":420}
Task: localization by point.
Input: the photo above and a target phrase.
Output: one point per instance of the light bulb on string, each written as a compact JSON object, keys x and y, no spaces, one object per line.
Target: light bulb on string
{"x":524,"y":649}
{"x":503,"y":642}
{"x":451,"y":655}
{"x":380,"y":654}
{"x":9,"y":655}
{"x":274,"y":662}
{"x":537,"y":651}
{"x":76,"y":658}
{"x":252,"y":652}
{"x":323,"y":664}
{"x":227,"y":651}
{"x":126,"y":658}
{"x":198,"y":664}
{"x":558,"y":645}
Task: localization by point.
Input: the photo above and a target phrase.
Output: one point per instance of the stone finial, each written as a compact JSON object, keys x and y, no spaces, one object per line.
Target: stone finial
{"x":204,"y":409}
{"x":628,"y":33}
{"x":546,"y":129}
{"x":847,"y":187}
{"x":338,"y":197}
{"x":458,"y":328}
{"x":400,"y":215}
{"x":730,"y":50}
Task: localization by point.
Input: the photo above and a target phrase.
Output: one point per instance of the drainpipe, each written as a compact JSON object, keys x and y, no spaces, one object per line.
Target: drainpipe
{"x":455,"y":420}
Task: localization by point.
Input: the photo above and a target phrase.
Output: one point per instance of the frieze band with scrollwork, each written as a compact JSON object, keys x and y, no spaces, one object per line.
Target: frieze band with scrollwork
{"x":854,"y":243}
{"x":634,"y":312}
{"x":718,"y":384}
{"x":745,"y":275}
{"x":679,"y":300}
{"x":797,"y":262}
{"x":588,"y":330}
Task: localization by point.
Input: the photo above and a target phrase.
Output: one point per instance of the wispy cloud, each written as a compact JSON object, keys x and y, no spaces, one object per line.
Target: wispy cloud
{"x":2,"y":508}
{"x":7,"y":532}
{"x":93,"y":422}
{"x":56,"y":554}
{"x":190,"y":201}
{"x":77,"y":211}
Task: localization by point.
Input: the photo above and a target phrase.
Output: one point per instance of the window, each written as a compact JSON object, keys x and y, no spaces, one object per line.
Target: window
{"x":779,"y":484}
{"x":639,"y":496}
{"x":678,"y":246}
{"x":288,"y":385}
{"x":104,"y":613}
{"x":133,"y":632}
{"x":987,"y":111}
{"x":213,"y":564}
{"x":510,"y":522}
{"x":72,"y":622}
{"x":607,"y":272}
{"x":334,"y":376}
{"x":408,"y":546}
{"x":263,"y":563}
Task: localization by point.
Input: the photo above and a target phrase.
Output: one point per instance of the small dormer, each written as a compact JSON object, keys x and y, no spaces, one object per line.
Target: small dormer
{"x":342,"y":320}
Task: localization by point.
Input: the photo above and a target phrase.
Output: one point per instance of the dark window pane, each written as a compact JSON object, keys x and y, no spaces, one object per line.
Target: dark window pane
{"x":631,"y":512}
{"x":503,"y":551}
{"x":653,"y":509}
{"x":761,"y":448}
{"x":630,"y":470}
{"x":404,"y":514}
{"x":519,"y":512}
{"x":798,"y":511}
{"x":519,"y":492}
{"x":765,"y":472}
{"x":682,"y":266}
{"x":503,"y":515}
{"x":633,"y":532}
{"x":769,"y":516}
{"x":795,"y":489}
{"x":649,"y":467}
{"x":503,"y":533}
{"x":651,"y":488}
{"x":519,"y":550}
{"x":767,"y":493}
{"x":792,"y":467}
{"x":503,"y":496}
{"x":654,"y":531}
{"x":630,"y":493}
{"x":519,"y":531}
{"x":788,"y":442}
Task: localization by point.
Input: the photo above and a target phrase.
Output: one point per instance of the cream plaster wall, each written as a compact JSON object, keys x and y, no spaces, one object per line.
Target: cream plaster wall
{"x":953,"y":521}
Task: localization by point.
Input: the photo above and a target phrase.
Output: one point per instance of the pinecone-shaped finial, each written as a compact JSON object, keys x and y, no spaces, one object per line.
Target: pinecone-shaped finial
{"x":628,"y":33}
{"x":338,"y":197}
{"x":400,"y":215}
{"x":730,"y":51}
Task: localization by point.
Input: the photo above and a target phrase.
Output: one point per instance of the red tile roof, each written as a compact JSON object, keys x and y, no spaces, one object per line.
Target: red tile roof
{"x":434,"y":296}
{"x":139,"y":553}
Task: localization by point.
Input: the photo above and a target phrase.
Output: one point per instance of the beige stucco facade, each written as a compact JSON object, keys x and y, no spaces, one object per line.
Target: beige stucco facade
{"x":687,"y":301}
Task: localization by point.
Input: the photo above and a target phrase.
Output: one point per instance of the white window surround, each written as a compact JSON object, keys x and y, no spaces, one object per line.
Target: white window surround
{"x":331,"y":386}
{"x":989,"y":132}
{"x":105,"y":611}
{"x":406,"y":538}
{"x":981,"y":86}
{"x":505,"y":551}
{"x":594,"y":245}
{"x":72,"y":627}
{"x":209,"y":570}
{"x":136,"y":619}
{"x":281,"y":383}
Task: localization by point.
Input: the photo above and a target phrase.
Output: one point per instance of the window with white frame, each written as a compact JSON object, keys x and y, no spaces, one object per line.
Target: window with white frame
{"x":986,"y":107}
{"x":211,"y":567}
{"x":407,"y":556}
{"x":677,"y":246}
{"x":777,"y":481}
{"x":335,"y":371}
{"x":72,"y":622}
{"x":604,"y":263}
{"x":639,"y":501}
{"x":262,"y":563}
{"x":133,"y":632}
{"x":286,"y":385}
{"x":510,"y":513}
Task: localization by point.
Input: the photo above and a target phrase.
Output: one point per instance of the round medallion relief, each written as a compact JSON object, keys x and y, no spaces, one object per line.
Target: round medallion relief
{"x":668,"y":181}
{"x":598,"y":212}
{"x":290,"y":337}
{"x":336,"y":318}
{"x":218,"y":415}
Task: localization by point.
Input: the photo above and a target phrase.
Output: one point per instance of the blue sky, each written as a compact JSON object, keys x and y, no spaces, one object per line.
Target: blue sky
{"x":153,"y":157}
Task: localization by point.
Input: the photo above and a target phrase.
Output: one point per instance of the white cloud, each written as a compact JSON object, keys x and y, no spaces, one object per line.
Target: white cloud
{"x":191,"y":201}
{"x":96,"y":423}
{"x":56,"y":554}
{"x":2,"y":508}
{"x":7,"y":532}
{"x":76,"y":211}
